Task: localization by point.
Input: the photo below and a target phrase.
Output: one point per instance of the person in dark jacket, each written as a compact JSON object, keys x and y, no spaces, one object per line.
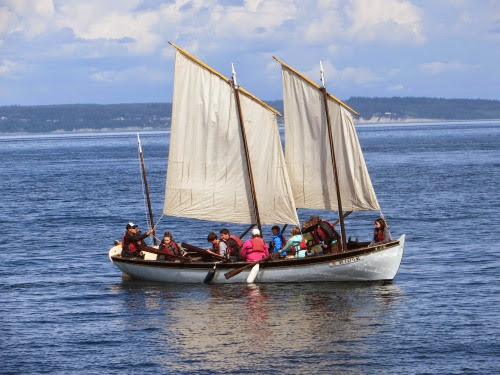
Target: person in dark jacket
{"x":323,"y":232}
{"x":132,"y":239}
{"x":232,"y":242}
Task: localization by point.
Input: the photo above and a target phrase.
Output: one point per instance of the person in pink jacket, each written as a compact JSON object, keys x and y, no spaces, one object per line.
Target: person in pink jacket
{"x":255,"y":248}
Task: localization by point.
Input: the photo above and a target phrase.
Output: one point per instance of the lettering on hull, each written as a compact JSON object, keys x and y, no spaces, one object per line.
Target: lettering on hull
{"x":345,"y":261}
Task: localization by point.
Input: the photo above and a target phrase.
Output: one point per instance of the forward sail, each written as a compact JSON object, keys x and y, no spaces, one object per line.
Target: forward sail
{"x":207,"y":175}
{"x":307,"y":150}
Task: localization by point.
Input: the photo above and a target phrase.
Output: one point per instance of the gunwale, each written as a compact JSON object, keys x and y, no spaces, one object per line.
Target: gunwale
{"x":277,"y":263}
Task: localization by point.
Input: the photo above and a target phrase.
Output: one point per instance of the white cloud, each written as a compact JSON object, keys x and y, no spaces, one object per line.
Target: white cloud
{"x":7,"y":68}
{"x":8,"y":21}
{"x":112,"y":19}
{"x":32,"y":17}
{"x":343,"y":77}
{"x":133,"y":74}
{"x":385,"y":20}
{"x":397,"y":87}
{"x":253,"y":19}
{"x":437,"y":67}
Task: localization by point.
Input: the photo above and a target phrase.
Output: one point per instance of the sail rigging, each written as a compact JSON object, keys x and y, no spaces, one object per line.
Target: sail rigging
{"x":207,"y":176}
{"x":307,"y":150}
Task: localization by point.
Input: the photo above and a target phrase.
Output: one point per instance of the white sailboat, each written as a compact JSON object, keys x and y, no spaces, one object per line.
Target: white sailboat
{"x":226,"y":163}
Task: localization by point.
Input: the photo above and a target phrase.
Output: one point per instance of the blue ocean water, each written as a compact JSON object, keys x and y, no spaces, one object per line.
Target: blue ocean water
{"x":65,"y":308}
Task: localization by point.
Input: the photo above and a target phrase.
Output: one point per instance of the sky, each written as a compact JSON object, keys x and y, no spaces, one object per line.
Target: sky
{"x":117,"y":51}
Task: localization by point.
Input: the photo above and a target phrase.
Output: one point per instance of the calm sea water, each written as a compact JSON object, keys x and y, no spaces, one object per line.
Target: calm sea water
{"x":65,"y":308}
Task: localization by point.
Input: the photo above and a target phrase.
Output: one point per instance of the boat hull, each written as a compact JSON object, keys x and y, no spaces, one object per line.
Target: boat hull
{"x":380,"y":263}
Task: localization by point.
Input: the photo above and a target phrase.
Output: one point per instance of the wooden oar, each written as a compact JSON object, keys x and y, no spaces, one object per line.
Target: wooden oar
{"x":203,"y":251}
{"x":235,"y":272}
{"x":344,"y":216}
{"x":253,"y":274}
{"x":245,"y":232}
{"x":210,"y":275}
{"x":160,"y":252}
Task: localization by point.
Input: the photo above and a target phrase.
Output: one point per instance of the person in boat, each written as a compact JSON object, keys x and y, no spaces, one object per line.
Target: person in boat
{"x":132,"y":239}
{"x":323,"y":233}
{"x":278,"y":240}
{"x":313,"y":247}
{"x":232,"y":242}
{"x":296,"y":244}
{"x":168,"y":245}
{"x":254,"y":248}
{"x":381,"y":233}
{"x":218,"y":247}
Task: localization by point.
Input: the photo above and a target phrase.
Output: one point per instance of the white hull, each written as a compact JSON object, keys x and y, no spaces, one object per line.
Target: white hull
{"x":375,"y":264}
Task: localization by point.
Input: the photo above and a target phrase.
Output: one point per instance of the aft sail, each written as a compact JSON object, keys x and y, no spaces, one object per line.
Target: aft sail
{"x":207,"y":176}
{"x":307,"y":150}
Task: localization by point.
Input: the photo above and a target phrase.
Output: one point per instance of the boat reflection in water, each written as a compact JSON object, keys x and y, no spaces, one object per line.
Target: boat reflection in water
{"x":246,"y":327}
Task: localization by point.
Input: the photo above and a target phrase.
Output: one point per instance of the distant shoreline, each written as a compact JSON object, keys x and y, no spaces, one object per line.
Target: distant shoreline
{"x":361,"y":123}
{"x":149,"y":116}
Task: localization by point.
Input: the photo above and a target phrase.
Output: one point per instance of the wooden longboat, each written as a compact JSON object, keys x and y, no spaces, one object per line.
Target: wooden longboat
{"x":254,"y":182}
{"x":379,"y":263}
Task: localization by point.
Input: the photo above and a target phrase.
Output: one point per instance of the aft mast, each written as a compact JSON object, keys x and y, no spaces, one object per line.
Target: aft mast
{"x":325,"y":162}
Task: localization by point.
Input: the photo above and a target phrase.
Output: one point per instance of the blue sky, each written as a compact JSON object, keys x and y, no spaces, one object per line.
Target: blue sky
{"x":116,"y":51}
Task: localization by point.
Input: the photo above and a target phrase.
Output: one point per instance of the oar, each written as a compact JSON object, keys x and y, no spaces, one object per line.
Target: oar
{"x":253,"y":274}
{"x":235,"y":272}
{"x":204,"y":252}
{"x":210,"y":275}
{"x":167,"y":255}
{"x":245,"y":232}
{"x":344,"y":216}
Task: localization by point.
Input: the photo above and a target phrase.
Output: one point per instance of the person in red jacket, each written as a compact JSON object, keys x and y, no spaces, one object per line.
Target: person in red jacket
{"x":168,"y":245}
{"x":255,"y":248}
{"x":132,"y":239}
{"x":381,"y":233}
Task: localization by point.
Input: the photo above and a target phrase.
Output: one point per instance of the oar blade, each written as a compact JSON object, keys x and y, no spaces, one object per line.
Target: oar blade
{"x":253,"y":274}
{"x":210,"y":276}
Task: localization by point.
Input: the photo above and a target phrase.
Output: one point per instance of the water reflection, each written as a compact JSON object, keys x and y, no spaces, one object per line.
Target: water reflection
{"x":253,"y":321}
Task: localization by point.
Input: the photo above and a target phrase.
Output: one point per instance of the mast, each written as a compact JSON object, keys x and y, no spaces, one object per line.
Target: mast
{"x":245,"y":145}
{"x":334,"y":162}
{"x":143,"y":168}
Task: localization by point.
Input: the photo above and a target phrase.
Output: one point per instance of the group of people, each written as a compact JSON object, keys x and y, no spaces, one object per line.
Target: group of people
{"x":317,"y":237}
{"x":132,"y":241}
{"x":232,"y":247}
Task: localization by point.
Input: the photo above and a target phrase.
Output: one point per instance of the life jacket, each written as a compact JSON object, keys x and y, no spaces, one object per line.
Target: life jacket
{"x":273,"y":244}
{"x":321,"y":232}
{"x":236,"y":239}
{"x":132,"y":247}
{"x":378,"y":235}
{"x":233,"y":245}
{"x":171,"y":248}
{"x":302,"y":245}
{"x":258,"y":245}
{"x":215,"y":248}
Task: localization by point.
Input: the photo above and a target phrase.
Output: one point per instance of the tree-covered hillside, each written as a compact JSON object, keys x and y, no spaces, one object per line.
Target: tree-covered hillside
{"x":425,"y":108}
{"x":71,"y":117}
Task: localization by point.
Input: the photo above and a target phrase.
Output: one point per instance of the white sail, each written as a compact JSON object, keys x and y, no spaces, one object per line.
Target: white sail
{"x":307,"y":150}
{"x":207,"y":175}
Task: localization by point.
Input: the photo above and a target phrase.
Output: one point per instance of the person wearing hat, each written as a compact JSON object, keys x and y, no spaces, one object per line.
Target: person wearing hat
{"x":132,"y":239}
{"x":255,"y":248}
